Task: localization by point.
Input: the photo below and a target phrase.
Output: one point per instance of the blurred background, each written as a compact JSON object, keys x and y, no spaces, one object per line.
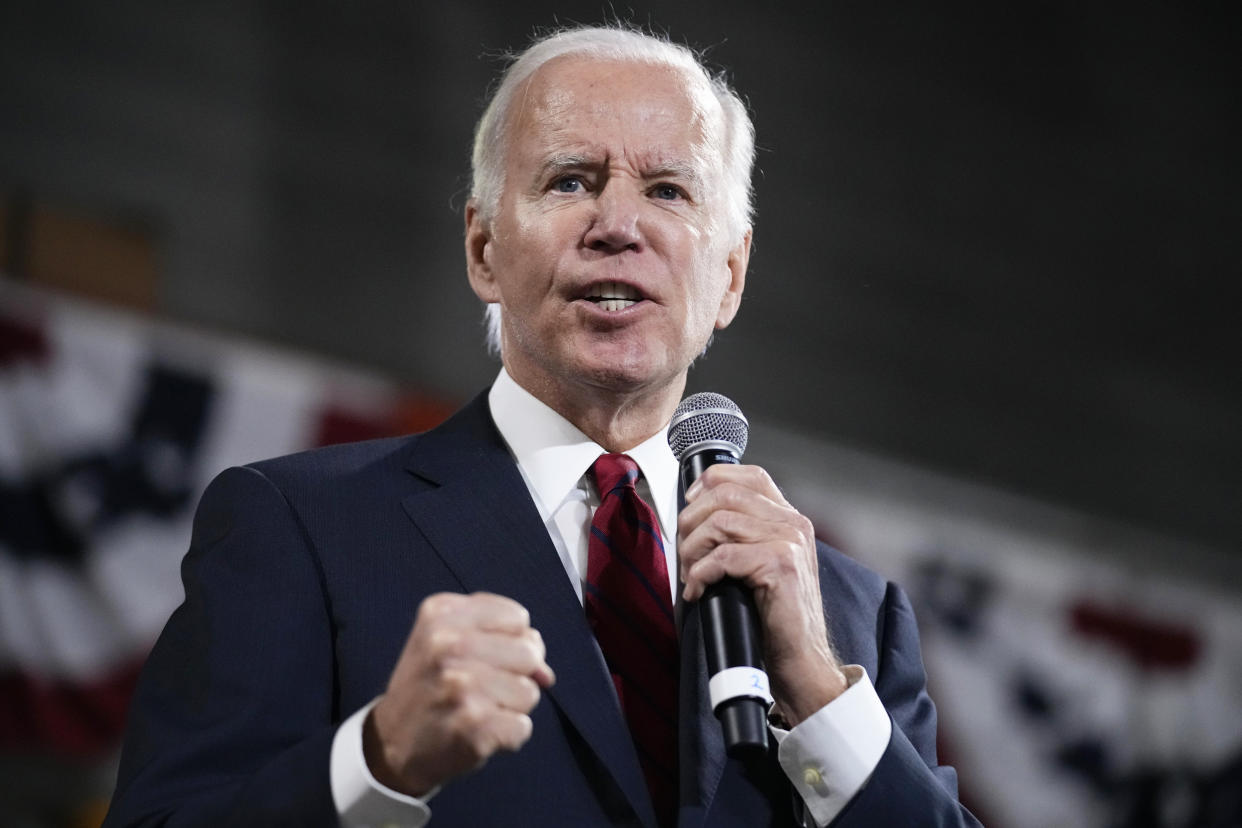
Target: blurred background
{"x":985,"y":342}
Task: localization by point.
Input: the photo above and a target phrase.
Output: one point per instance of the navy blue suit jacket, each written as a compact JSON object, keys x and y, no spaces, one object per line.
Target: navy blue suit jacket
{"x":302,"y":582}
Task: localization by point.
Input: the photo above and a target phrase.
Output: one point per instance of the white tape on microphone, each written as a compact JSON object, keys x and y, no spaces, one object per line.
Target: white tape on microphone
{"x":739,"y":683}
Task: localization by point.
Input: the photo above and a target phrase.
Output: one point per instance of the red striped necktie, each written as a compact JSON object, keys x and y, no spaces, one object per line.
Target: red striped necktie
{"x":630,"y":610}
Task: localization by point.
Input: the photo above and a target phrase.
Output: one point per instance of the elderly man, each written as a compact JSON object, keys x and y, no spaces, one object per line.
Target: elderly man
{"x":429,"y":628}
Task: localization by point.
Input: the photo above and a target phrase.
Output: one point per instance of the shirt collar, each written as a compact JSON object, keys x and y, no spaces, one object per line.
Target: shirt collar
{"x":554,"y":455}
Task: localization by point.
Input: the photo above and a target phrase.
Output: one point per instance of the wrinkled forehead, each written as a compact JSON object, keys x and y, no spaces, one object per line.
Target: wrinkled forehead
{"x":573,"y":87}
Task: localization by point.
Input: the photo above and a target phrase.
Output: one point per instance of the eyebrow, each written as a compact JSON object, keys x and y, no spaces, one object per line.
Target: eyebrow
{"x":677,"y":169}
{"x":668,"y":169}
{"x":560,"y":163}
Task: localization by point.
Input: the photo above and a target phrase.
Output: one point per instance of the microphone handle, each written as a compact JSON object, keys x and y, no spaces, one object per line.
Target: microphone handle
{"x":731,"y":639}
{"x":730,"y":625}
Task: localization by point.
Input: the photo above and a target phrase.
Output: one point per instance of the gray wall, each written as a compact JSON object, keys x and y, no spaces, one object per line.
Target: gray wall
{"x":994,"y":242}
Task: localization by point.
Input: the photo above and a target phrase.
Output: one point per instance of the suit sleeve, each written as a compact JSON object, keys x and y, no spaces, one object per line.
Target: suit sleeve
{"x":233,"y":718}
{"x":908,"y":787}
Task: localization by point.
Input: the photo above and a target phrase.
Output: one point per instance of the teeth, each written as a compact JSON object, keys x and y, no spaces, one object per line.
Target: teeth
{"x":614,"y":296}
{"x":615,"y":290}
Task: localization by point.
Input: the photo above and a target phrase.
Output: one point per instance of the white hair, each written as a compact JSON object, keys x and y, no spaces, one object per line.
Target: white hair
{"x":491,"y":135}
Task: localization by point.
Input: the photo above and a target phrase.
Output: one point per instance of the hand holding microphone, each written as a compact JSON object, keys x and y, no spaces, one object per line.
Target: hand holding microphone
{"x":749,"y":558}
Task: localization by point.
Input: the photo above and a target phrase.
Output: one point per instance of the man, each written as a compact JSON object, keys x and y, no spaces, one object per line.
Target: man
{"x":385,"y":633}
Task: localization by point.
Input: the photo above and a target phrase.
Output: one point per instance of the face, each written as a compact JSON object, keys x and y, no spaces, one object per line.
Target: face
{"x":609,"y":253}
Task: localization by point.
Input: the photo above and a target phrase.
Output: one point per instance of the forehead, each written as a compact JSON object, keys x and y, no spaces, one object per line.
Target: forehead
{"x":620,"y":105}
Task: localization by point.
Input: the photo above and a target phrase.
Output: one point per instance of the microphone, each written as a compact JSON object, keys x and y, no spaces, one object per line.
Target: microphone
{"x":707,"y":429}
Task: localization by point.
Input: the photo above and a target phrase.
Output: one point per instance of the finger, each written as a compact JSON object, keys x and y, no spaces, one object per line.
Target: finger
{"x":725,"y":560}
{"x":482,"y":728}
{"x":543,"y":674}
{"x":738,"y":526}
{"x":764,"y":566}
{"x":478,"y":610}
{"x":506,"y":690}
{"x":732,"y":496}
{"x":724,"y":526}
{"x":506,"y":730}
{"x":751,"y":477}
{"x":522,"y":654}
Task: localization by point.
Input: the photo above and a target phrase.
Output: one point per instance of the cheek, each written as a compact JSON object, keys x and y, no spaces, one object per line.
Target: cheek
{"x":712,"y":283}
{"x":707,"y":303}
{"x":534,"y":245}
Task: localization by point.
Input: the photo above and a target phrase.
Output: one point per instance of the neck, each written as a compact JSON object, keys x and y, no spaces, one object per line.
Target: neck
{"x":616,"y":420}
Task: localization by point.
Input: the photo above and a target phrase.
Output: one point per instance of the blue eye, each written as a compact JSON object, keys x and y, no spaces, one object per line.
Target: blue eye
{"x":568,"y":184}
{"x":667,"y":192}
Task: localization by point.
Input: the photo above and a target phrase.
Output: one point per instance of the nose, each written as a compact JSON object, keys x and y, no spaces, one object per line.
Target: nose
{"x":614,"y":225}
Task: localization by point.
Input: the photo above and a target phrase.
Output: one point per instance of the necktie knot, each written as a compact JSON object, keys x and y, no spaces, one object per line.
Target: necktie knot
{"x":613,"y":470}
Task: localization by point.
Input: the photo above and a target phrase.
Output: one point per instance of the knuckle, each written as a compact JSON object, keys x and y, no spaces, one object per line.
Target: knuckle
{"x":730,"y":496}
{"x":519,"y":656}
{"x":524,"y":728}
{"x":787,"y":558}
{"x":731,"y":524}
{"x":471,"y":716}
{"x":512,"y":731}
{"x":437,"y":606}
{"x":711,"y":523}
{"x":509,"y":610}
{"x":720,"y":524}
{"x":444,"y":642}
{"x":759,"y":475}
{"x":528,"y":640}
{"x":805,"y":527}
{"x":533,"y":651}
{"x":528,"y":693}
{"x":717,"y":560}
{"x":456,"y":686}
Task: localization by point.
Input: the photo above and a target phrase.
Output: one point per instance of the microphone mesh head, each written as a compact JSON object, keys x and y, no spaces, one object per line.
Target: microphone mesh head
{"x":703,"y":417}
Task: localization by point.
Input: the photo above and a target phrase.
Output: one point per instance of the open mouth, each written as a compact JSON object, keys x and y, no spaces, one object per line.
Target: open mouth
{"x":613,"y":296}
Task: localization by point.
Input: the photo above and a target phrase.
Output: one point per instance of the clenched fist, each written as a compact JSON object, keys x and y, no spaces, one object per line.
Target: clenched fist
{"x":462,"y":689}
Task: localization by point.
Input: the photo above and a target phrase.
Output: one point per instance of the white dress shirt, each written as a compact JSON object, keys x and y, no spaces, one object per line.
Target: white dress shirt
{"x":828,"y":757}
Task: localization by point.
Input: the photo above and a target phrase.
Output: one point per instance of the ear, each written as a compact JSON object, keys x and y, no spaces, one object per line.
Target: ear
{"x":739,"y":258}
{"x":479,"y":255}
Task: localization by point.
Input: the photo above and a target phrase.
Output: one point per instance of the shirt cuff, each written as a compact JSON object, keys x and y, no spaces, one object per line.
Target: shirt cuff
{"x":361,"y":801}
{"x":832,"y":754}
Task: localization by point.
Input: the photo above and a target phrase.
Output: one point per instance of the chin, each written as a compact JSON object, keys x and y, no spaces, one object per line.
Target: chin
{"x":627,"y":376}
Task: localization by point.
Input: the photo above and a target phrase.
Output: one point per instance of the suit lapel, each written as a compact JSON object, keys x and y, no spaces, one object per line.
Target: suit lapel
{"x":478,"y":516}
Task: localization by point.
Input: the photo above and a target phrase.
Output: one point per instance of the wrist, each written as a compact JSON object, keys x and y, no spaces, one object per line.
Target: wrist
{"x":812,"y":691}
{"x":380,"y":765}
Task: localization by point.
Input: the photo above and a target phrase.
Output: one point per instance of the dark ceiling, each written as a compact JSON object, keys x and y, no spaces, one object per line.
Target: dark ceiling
{"x":992,"y":241}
